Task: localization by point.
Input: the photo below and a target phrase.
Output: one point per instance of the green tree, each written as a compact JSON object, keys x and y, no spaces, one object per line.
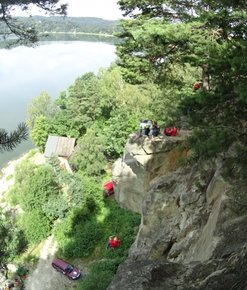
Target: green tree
{"x":70,"y":195}
{"x":37,"y":188}
{"x":117,"y":130}
{"x":115,"y":93}
{"x":89,"y":157}
{"x":84,"y":99}
{"x":64,"y":124}
{"x":42,"y":105}
{"x":36,"y":226}
{"x":110,"y":83}
{"x":208,"y":36}
{"x":34,"y":193}
{"x":40,"y":132}
{"x":12,"y":238}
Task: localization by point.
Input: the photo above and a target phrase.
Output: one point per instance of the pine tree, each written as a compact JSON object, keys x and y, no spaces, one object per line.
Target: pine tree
{"x":8,"y":141}
{"x":209,"y":36}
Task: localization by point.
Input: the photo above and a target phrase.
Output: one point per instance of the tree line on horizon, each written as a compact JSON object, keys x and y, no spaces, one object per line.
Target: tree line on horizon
{"x":57,"y":24}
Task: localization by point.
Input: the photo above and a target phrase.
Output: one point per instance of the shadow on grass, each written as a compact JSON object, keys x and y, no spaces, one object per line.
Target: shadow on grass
{"x":85,"y":232}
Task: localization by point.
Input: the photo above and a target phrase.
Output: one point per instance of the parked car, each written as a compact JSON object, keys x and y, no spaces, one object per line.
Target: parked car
{"x":66,"y":269}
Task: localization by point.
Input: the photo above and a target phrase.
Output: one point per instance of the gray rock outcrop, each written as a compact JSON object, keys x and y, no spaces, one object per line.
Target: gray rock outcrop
{"x":143,"y":160}
{"x":193,"y":228}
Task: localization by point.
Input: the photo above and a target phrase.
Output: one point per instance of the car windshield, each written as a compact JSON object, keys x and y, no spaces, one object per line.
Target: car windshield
{"x":69,"y":269}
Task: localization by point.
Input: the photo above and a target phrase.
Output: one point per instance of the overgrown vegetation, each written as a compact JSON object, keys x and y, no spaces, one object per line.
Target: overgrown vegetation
{"x":72,"y":207}
{"x":207,"y":37}
{"x":165,"y":48}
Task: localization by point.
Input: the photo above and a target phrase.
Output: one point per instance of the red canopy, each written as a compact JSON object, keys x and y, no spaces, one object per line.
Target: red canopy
{"x":108,"y":185}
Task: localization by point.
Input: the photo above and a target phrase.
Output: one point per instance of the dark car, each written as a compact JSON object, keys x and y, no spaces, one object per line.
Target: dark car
{"x":65,"y":268}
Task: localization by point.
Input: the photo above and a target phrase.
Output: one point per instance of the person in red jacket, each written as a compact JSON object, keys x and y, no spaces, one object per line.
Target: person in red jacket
{"x":174,"y":131}
{"x":168,"y":131}
{"x":171,"y":131}
{"x":114,"y":242}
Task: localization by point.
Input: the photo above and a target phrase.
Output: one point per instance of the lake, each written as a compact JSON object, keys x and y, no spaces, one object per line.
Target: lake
{"x":52,"y":67}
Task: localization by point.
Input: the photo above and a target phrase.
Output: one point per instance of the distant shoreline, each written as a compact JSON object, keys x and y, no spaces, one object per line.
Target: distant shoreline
{"x":77,"y":33}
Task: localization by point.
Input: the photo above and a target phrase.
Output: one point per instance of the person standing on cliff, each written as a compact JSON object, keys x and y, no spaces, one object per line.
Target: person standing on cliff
{"x":155,"y":131}
{"x":145,"y":127}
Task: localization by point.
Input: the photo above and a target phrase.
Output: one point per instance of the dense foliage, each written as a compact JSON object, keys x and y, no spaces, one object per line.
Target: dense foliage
{"x":44,"y":193}
{"x":207,"y":36}
{"x":167,"y":46}
{"x":13,"y":241}
{"x":99,"y":110}
{"x":90,"y":155}
{"x":74,"y":209}
{"x":85,"y":232}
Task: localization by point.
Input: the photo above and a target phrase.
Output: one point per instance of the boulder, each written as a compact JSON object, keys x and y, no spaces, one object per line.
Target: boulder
{"x":144,"y":159}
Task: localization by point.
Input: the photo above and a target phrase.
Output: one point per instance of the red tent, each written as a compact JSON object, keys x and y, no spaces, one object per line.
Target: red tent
{"x":108,"y":188}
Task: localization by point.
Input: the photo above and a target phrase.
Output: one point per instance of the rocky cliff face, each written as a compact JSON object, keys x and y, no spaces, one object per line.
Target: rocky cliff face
{"x":194,"y":228}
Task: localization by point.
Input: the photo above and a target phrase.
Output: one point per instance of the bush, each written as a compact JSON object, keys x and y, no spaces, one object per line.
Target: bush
{"x":38,"y":187}
{"x":36,"y":226}
{"x":106,"y":265}
{"x":12,"y":196}
{"x":100,"y":274}
{"x":90,"y":158}
{"x":79,"y":234}
{"x":18,"y":243}
{"x":12,"y":238}
{"x":95,"y":280}
{"x":55,"y":207}
{"x":21,"y":271}
{"x":9,"y":177}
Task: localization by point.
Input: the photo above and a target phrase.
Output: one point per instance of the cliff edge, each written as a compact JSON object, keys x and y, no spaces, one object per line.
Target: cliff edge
{"x":193,"y":229}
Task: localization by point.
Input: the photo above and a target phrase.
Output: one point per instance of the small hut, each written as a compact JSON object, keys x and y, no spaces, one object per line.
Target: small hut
{"x":59,"y":146}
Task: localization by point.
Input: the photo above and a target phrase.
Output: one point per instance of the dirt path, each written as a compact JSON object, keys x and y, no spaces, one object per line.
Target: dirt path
{"x":44,"y":277}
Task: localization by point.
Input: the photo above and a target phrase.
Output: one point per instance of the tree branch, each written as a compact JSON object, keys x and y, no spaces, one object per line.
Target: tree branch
{"x":8,"y":141}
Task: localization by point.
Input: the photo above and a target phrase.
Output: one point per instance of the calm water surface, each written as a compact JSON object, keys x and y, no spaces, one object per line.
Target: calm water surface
{"x":51,"y":67}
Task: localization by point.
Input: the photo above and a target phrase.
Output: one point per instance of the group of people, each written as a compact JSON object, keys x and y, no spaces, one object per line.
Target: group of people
{"x":149,"y":128}
{"x":152,"y":129}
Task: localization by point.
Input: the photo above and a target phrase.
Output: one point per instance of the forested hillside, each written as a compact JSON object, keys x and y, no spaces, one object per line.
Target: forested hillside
{"x":75,"y":24}
{"x":67,"y":24}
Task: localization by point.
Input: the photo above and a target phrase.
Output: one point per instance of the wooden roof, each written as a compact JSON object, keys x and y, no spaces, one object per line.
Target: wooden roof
{"x":59,"y":146}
